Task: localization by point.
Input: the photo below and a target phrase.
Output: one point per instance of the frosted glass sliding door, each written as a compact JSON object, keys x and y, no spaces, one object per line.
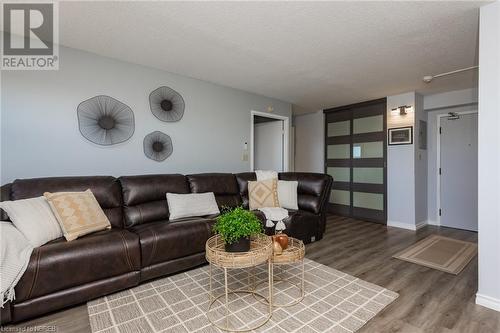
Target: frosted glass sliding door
{"x":355,"y":156}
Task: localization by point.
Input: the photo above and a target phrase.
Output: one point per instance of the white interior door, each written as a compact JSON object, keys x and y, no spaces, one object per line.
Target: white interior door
{"x":459,"y":172}
{"x":269,"y":144}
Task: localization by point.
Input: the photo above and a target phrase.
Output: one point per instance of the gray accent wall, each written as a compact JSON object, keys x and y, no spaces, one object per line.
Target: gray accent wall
{"x":39,"y":128}
{"x":401,"y":168}
{"x":406,"y":167}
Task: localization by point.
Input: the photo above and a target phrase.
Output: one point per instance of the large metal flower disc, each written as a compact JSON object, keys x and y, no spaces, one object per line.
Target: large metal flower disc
{"x":105,"y":121}
{"x":166,"y":104}
{"x":157,"y":146}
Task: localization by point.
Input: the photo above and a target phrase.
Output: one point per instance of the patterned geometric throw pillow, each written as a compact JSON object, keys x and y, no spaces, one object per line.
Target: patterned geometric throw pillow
{"x":263,"y":193}
{"x":78,"y":213}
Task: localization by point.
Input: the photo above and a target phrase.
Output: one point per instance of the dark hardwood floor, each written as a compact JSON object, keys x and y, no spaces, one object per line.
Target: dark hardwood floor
{"x":429,"y":301}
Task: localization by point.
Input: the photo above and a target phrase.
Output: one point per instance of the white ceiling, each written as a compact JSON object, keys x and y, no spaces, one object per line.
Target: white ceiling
{"x":312,"y":54}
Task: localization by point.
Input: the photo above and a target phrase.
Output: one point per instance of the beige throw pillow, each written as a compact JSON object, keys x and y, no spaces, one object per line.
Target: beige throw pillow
{"x":78,"y":213}
{"x":263,"y":194}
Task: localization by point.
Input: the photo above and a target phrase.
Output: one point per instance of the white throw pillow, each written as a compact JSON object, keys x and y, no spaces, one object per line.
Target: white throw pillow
{"x":193,"y":204}
{"x":266,"y":174}
{"x":34,"y":219}
{"x":287,"y":194}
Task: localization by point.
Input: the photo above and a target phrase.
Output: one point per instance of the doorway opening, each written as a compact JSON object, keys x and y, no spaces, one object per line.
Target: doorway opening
{"x":269,"y":142}
{"x":457,"y":170}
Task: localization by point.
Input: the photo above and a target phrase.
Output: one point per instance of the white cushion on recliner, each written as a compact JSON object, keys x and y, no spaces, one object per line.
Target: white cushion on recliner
{"x":287,"y":194}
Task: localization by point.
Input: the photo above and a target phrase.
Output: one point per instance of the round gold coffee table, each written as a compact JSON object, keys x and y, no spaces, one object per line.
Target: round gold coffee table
{"x":293,"y":254}
{"x":261,"y":249}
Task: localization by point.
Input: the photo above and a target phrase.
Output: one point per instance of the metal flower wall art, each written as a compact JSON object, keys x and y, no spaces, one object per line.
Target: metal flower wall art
{"x":105,"y":121}
{"x":166,"y":104}
{"x":157,"y":146}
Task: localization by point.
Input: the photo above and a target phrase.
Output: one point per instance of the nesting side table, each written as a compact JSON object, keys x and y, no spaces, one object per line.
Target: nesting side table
{"x":293,"y":254}
{"x":261,"y":250}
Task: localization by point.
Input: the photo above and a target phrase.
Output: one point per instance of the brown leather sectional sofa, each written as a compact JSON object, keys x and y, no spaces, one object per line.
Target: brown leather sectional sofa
{"x":142,"y":244}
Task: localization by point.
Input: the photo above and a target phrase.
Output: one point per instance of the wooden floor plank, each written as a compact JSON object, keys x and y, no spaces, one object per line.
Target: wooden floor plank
{"x":430,"y":300}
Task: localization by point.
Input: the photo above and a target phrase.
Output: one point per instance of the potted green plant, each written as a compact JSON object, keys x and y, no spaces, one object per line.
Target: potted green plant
{"x":235,"y":227}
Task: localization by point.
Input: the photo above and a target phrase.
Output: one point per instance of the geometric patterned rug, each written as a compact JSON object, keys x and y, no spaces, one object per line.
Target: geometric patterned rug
{"x":333,"y":302}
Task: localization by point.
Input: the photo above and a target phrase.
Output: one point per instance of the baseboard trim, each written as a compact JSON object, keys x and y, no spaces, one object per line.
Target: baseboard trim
{"x":401,"y":225}
{"x":431,"y":222}
{"x":488,"y":302}
{"x":421,"y":224}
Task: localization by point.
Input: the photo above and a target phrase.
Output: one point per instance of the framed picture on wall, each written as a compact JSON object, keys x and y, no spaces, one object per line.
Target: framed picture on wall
{"x":400,"y":136}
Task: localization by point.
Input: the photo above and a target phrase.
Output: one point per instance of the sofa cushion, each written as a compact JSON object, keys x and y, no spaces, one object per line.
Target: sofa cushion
{"x":313,"y":189}
{"x":287,"y":194}
{"x":105,"y":188}
{"x":144,"y":197}
{"x":263,"y":193}
{"x":223,"y":185}
{"x":60,"y":265}
{"x":242,"y":180}
{"x":34,"y":218}
{"x":162,"y":241}
{"x":78,"y":213}
{"x":191,"y":205}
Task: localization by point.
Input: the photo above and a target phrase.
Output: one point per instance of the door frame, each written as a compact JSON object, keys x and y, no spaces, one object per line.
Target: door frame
{"x":438,"y":159}
{"x":286,"y":137}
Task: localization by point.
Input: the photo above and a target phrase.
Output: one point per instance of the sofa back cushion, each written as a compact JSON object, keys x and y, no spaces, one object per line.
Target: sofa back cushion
{"x":223,"y":185}
{"x":313,"y":189}
{"x":243,"y":179}
{"x":105,"y":189}
{"x":144,"y":197}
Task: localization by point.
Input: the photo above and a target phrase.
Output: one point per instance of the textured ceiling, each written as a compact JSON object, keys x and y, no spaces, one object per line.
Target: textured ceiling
{"x":312,"y":54}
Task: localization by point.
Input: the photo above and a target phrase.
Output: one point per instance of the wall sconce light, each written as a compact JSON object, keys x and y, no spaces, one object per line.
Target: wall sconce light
{"x":401,"y":110}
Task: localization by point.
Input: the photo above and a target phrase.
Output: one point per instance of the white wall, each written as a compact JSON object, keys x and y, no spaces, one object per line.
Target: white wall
{"x":400,"y":168}
{"x":450,"y":98}
{"x":489,"y":159}
{"x":310,"y":142}
{"x":452,"y":101}
{"x":39,"y":127}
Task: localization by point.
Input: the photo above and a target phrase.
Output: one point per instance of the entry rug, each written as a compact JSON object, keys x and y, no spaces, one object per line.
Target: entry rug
{"x":333,"y":302}
{"x":442,"y":253}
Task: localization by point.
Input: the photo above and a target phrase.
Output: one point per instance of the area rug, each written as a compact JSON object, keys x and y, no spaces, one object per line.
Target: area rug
{"x":334,"y":302}
{"x":442,"y":253}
